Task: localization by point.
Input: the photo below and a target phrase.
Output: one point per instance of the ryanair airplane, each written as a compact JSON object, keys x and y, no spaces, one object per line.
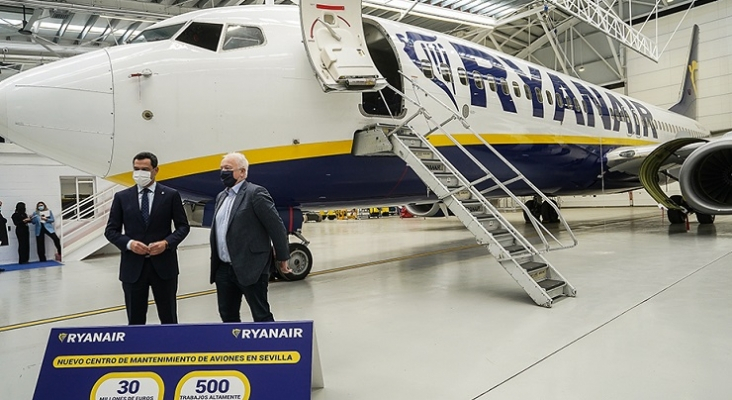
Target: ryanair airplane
{"x":291,"y":86}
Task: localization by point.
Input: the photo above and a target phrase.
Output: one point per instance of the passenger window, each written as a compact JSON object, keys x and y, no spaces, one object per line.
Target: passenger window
{"x":538,"y":95}
{"x":202,"y":35}
{"x":446,"y":73}
{"x":527,"y":90}
{"x":462,"y":76}
{"x":491,"y":83}
{"x":427,"y":69}
{"x":576,"y":103}
{"x":504,"y":86}
{"x":516,"y":89}
{"x":568,"y":102}
{"x":153,"y":35}
{"x":478,"y":80}
{"x":549,"y":98}
{"x":584,"y":106}
{"x":238,"y":37}
{"x":560,"y":100}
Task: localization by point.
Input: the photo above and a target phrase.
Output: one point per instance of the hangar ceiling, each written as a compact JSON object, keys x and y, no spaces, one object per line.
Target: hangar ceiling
{"x":584,"y":38}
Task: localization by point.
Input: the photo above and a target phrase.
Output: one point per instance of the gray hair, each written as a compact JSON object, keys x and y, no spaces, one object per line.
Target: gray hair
{"x":240,"y":161}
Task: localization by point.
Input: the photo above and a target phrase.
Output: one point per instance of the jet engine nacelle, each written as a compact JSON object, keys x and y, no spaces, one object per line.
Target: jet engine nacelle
{"x":706,"y":178}
{"x":425,"y":210}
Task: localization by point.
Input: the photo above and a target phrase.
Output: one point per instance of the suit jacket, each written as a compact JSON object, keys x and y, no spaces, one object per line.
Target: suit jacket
{"x":166,"y":207}
{"x":254,"y":227}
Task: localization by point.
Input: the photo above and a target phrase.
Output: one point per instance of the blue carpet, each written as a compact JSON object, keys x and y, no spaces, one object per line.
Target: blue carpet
{"x":17,"y":267}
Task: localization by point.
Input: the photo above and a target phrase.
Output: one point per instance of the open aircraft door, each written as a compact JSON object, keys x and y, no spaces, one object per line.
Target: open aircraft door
{"x":334,"y":41}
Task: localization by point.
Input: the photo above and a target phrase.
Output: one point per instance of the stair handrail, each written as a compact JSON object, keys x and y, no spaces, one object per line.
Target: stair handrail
{"x":537,"y":226}
{"x":88,"y":220}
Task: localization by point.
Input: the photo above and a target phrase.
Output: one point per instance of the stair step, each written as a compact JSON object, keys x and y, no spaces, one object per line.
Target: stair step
{"x":447,"y":179}
{"x":412,"y":142}
{"x":549,"y":284}
{"x":515,"y":248}
{"x":463,"y":195}
{"x":533,"y":265}
{"x":435,"y":166}
{"x":424,"y":154}
{"x":537,"y":271}
{"x":475,"y":207}
{"x":492,"y":225}
{"x":552,"y":287}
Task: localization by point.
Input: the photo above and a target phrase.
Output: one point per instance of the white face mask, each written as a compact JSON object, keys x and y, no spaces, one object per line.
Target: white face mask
{"x":141,"y":178}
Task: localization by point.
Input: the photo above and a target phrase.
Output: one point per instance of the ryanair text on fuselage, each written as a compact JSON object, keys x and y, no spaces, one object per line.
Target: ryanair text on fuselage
{"x":583,"y":99}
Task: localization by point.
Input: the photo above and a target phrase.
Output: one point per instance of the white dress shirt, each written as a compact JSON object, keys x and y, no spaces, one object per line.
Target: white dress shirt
{"x":222,"y":221}
{"x":150,"y":197}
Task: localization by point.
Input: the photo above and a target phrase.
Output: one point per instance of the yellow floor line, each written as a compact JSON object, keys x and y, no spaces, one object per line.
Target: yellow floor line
{"x":212,"y":291}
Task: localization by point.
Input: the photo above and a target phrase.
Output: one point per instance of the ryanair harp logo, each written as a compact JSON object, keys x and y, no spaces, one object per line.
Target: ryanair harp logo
{"x":91,"y":337}
{"x":236,"y":332}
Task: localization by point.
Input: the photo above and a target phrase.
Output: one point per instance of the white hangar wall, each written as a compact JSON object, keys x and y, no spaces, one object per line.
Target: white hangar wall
{"x":30,"y":178}
{"x":660,"y":83}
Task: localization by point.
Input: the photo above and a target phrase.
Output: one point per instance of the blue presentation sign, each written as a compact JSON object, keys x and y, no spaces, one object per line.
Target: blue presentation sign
{"x":183,"y":362}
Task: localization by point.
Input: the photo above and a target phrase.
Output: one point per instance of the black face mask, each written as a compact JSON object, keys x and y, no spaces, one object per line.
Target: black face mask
{"x":227,"y":177}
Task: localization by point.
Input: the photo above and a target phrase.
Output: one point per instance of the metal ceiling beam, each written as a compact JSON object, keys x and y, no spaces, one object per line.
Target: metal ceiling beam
{"x":130,"y":30}
{"x":607,"y":22}
{"x":87,"y":27}
{"x":130,"y":9}
{"x":62,"y":28}
{"x":543,"y":40}
{"x":432,"y":12}
{"x":550,"y":36}
{"x":519,"y":16}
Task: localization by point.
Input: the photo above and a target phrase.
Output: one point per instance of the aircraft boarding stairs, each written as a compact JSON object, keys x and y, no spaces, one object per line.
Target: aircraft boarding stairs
{"x":518,"y":256}
{"x":83,"y":225}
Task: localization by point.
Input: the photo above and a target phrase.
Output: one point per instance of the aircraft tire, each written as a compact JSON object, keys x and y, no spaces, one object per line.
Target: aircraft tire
{"x":677,"y":216}
{"x":548,"y":214}
{"x":301,"y":262}
{"x":535,"y":211}
{"x":705,"y":219}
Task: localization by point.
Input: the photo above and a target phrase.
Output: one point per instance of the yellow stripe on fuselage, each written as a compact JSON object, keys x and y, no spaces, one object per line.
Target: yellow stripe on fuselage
{"x":303,"y":151}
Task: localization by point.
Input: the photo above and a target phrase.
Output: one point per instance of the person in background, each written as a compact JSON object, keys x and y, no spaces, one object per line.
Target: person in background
{"x":3,"y":231}
{"x":43,"y":219}
{"x":20,"y":219}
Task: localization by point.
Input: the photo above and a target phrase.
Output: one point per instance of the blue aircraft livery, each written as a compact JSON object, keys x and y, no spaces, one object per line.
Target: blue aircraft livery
{"x":587,"y":103}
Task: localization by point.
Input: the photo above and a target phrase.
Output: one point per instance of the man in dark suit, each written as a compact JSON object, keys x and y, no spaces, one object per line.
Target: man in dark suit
{"x":245,"y":227}
{"x":148,"y":245}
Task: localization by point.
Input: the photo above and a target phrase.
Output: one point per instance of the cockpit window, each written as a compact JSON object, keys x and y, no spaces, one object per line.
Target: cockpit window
{"x":238,"y":37}
{"x":155,"y":34}
{"x":202,"y":35}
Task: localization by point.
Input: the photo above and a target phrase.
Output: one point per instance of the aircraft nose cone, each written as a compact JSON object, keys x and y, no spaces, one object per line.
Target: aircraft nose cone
{"x":63,"y":110}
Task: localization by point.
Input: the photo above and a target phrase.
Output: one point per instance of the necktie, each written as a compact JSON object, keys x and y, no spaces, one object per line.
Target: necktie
{"x":145,"y":205}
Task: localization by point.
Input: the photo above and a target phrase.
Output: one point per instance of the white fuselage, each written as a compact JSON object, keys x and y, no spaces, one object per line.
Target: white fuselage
{"x":190,"y":105}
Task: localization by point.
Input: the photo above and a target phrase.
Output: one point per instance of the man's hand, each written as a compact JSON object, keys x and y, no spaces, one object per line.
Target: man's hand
{"x":139,"y":248}
{"x":284,"y":267}
{"x":157,"y":247}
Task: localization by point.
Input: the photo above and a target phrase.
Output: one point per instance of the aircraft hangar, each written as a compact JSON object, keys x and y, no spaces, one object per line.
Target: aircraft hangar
{"x":413,"y":307}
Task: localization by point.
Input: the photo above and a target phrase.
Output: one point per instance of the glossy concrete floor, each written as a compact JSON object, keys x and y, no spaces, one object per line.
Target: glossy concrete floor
{"x":412,"y":309}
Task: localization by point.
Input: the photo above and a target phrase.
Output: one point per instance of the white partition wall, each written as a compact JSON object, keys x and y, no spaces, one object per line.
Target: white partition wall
{"x":660,"y":83}
{"x":30,"y":178}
